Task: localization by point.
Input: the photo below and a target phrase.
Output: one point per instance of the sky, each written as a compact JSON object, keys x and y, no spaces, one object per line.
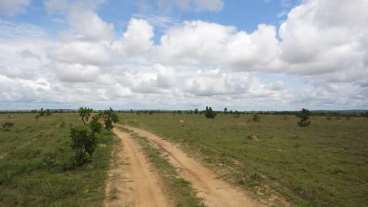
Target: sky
{"x":184,"y":54}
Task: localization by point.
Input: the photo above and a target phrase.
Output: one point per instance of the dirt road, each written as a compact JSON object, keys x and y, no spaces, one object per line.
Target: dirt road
{"x":215,"y":192}
{"x":132,"y":180}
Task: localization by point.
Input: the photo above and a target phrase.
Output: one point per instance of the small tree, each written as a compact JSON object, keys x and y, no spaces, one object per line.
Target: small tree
{"x":83,"y":144}
{"x":225,"y":110}
{"x":95,"y":125}
{"x":304,"y":118}
{"x":196,"y":111}
{"x":209,"y":113}
{"x":110,"y":117}
{"x":85,"y":114}
{"x":42,"y":112}
{"x":256,"y":118}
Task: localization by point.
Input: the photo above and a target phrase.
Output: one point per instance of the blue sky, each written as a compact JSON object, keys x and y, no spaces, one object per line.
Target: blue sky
{"x":181,"y":54}
{"x":245,"y":15}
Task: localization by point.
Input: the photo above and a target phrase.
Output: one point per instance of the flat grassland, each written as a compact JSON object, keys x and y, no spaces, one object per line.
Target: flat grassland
{"x":35,"y":163}
{"x":325,"y":164}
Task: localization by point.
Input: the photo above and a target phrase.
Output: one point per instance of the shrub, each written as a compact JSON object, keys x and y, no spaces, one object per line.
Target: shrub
{"x":85,"y":114}
{"x":42,"y":112}
{"x":110,"y":117}
{"x":83,"y":144}
{"x":7,"y":125}
{"x":62,"y":124}
{"x":209,"y":113}
{"x":95,"y":125}
{"x":256,"y":118}
{"x":304,"y":118}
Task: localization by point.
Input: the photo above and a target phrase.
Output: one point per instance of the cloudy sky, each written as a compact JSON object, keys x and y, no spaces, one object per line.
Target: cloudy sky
{"x":184,"y":54}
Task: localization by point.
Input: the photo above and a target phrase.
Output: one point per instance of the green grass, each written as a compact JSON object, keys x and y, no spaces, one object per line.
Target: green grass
{"x":35,"y":156}
{"x":179,"y":189}
{"x":325,"y":164}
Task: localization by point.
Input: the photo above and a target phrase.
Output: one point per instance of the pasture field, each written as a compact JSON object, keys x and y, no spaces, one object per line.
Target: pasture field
{"x":325,"y":164}
{"x":35,"y":160}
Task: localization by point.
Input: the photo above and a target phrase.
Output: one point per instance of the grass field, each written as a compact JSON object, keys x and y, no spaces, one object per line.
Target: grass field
{"x":325,"y":164}
{"x":35,"y":160}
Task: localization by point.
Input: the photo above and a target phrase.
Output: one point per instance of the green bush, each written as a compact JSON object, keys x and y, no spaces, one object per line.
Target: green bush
{"x":209,"y":113}
{"x":256,"y":118}
{"x":110,"y":117}
{"x":83,"y":144}
{"x":95,"y":125}
{"x":7,"y":125}
{"x":304,"y":118}
{"x":85,"y":114}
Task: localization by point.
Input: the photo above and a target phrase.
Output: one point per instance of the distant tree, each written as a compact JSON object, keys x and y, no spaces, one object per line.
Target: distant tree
{"x":225,"y":110}
{"x":256,"y":118}
{"x":48,"y":112}
{"x":85,"y":114}
{"x":365,"y":114}
{"x":209,"y":113}
{"x":42,"y":112}
{"x":196,"y":111}
{"x":304,"y":118}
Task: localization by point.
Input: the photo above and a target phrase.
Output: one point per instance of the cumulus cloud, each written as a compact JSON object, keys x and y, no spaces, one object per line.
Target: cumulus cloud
{"x":81,"y":52}
{"x":81,"y":15}
{"x":87,"y":25}
{"x":137,"y":39}
{"x":317,"y":57}
{"x":12,"y":7}
{"x":325,"y":36}
{"x":77,"y":72}
{"x":211,"y":44}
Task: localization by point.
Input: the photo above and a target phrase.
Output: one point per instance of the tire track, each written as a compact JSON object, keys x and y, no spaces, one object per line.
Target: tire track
{"x":214,"y":192}
{"x":135,"y":184}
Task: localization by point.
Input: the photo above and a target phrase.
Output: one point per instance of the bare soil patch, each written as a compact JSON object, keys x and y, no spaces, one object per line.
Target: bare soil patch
{"x":132,"y":180}
{"x":214,"y":191}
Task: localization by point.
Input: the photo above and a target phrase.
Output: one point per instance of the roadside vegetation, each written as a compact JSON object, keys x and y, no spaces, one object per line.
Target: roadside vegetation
{"x":36,"y":161}
{"x":324,"y":164}
{"x":84,"y":138}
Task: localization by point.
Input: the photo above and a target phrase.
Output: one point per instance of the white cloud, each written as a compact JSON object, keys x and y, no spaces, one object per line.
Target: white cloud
{"x":317,"y":58}
{"x":325,"y":37}
{"x":79,"y":52}
{"x":210,"y":44}
{"x":77,"y":72}
{"x":87,"y":25}
{"x":137,"y":39}
{"x":12,"y":7}
{"x":81,"y":15}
